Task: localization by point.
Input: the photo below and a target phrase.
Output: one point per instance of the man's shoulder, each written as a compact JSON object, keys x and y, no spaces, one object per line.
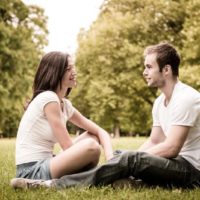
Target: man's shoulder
{"x":184,"y":91}
{"x":185,"y":97}
{"x":185,"y":87}
{"x":160,"y":98}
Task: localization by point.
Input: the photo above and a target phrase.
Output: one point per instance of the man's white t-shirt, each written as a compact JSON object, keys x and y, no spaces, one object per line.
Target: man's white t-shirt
{"x":35,"y":139}
{"x":183,"y":109}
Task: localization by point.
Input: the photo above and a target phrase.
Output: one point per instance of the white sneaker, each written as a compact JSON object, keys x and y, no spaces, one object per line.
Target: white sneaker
{"x":25,"y":183}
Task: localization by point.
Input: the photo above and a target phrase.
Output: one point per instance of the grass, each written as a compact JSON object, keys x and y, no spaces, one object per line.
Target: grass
{"x":7,"y":171}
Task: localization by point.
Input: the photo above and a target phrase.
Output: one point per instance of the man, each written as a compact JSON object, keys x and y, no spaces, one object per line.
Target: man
{"x":171,"y":155}
{"x":175,"y":135}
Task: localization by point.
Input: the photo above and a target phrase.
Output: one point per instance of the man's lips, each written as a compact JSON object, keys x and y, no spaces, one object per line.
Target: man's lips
{"x":147,"y":79}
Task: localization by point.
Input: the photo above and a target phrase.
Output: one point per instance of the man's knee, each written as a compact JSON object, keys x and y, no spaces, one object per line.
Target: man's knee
{"x":138,"y":161}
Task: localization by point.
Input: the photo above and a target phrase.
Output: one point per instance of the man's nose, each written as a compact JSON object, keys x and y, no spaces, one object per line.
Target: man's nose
{"x":144,"y":72}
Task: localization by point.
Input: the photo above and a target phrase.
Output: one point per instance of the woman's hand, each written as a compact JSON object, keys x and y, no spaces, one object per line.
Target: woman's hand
{"x":104,"y":138}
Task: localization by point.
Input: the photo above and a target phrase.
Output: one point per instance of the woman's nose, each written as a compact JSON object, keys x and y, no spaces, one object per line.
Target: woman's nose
{"x":74,"y":72}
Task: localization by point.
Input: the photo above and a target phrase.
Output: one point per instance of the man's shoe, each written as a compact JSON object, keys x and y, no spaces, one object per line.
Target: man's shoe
{"x":24,"y":183}
{"x":128,"y":183}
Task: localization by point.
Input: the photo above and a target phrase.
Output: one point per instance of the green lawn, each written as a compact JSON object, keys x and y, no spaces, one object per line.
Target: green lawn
{"x":7,"y":171}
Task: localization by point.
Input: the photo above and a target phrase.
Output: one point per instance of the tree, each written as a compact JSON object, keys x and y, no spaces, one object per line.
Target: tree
{"x":190,"y":52}
{"x":110,"y":64}
{"x":22,"y":38}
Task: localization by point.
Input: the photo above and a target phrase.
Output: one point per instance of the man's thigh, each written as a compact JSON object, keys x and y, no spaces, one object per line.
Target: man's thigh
{"x":157,"y":170}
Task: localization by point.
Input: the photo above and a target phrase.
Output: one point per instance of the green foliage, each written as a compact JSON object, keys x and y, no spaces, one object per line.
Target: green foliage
{"x":111,"y":89}
{"x":22,"y":38}
{"x":190,"y":72}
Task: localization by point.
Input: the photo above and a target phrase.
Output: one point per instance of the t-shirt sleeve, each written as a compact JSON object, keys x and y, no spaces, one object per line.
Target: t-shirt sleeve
{"x":155,"y":114}
{"x":69,"y":108}
{"x":185,"y":112}
{"x":45,"y":98}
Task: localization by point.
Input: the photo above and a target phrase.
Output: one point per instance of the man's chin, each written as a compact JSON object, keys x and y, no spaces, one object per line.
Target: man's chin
{"x":152,"y":85}
{"x":149,"y":85}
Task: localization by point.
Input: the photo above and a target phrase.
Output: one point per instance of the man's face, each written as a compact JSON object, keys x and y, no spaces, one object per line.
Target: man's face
{"x":151,"y":72}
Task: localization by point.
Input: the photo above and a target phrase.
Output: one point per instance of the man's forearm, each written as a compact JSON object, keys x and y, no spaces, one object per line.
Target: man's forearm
{"x":164,"y":150}
{"x":148,"y":144}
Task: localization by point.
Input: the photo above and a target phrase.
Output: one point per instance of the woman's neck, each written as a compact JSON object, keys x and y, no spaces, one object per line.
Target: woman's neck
{"x":61,"y":93}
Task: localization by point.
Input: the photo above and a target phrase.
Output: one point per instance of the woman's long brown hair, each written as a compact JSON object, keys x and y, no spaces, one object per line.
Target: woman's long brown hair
{"x":50,"y":72}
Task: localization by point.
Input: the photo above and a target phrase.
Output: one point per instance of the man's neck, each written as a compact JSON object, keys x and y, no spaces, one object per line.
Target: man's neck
{"x":168,"y":89}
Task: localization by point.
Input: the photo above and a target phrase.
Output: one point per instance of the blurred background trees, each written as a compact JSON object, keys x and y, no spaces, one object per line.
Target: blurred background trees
{"x":109,"y":59}
{"x":22,"y":38}
{"x":111,"y":88}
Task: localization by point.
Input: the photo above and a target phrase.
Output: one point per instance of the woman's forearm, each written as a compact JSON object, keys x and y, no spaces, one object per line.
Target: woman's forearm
{"x":105,"y":141}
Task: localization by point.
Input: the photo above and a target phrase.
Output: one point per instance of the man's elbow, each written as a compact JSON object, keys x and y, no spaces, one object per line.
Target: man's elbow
{"x":173,"y":151}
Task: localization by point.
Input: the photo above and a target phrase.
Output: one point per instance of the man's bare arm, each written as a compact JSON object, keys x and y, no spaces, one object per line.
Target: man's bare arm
{"x":172,"y":145}
{"x":157,"y":136}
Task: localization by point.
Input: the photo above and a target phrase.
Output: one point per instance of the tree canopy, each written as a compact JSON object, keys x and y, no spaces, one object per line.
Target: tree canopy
{"x":22,"y":39}
{"x":111,"y":88}
{"x":109,"y":59}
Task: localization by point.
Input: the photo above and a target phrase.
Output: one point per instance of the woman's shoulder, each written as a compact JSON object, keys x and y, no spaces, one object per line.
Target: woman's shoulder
{"x":69,"y":107}
{"x":67,"y":103}
{"x":47,"y":93}
{"x":47,"y":96}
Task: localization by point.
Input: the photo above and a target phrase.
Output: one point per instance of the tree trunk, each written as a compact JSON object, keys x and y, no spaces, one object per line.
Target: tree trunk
{"x":116,"y":130}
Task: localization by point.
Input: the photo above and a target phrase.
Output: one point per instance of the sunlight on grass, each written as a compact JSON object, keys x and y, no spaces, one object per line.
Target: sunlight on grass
{"x":7,"y":171}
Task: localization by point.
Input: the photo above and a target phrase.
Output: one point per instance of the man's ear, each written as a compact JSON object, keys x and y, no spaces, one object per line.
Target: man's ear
{"x":167,"y":68}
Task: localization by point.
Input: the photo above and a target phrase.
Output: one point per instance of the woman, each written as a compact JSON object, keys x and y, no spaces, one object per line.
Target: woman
{"x":44,"y":124}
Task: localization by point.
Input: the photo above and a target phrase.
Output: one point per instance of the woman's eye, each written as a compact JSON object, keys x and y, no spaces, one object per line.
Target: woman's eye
{"x":68,"y":69}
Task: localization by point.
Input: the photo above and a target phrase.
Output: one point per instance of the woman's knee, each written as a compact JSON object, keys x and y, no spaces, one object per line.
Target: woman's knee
{"x":92,"y":147}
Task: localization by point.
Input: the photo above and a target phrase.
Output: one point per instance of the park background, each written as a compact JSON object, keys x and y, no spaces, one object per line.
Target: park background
{"x":109,"y":59}
{"x":111,"y":89}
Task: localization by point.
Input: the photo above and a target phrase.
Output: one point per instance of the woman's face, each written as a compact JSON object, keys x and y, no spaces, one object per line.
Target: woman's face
{"x":69,"y":78}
